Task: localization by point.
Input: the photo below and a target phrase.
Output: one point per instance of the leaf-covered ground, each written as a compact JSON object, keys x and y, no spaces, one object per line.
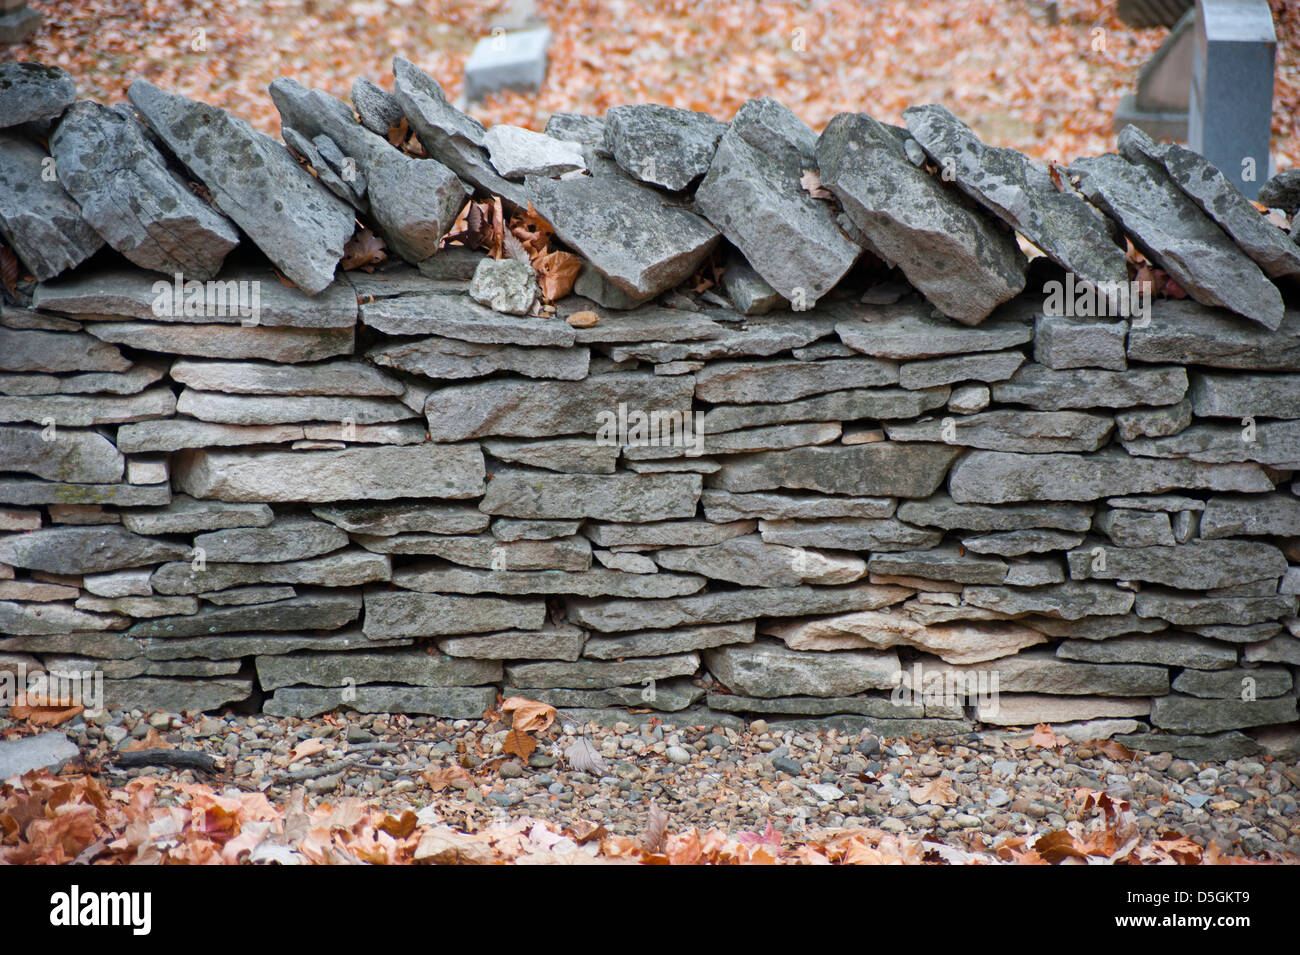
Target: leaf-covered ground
{"x":285,"y":792}
{"x":1048,"y":90}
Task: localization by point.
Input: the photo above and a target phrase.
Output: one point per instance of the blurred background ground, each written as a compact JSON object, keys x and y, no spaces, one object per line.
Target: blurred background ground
{"x":1047,"y":90}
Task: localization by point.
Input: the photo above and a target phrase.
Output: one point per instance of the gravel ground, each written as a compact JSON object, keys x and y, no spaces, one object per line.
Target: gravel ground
{"x":970,"y":791}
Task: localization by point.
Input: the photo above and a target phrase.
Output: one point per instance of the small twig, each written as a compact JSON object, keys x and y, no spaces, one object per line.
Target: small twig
{"x":172,"y":758}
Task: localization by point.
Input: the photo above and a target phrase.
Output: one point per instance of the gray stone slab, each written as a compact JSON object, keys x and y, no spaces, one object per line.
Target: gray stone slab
{"x":81,"y":457}
{"x":599,"y":674}
{"x":1071,"y":600}
{"x":79,"y":411}
{"x":21,"y":491}
{"x":1049,"y":390}
{"x":1022,"y":194}
{"x":661,"y":145}
{"x":770,"y":670}
{"x":228,"y":341}
{"x":909,"y":330}
{"x":1230,"y":745}
{"x":38,"y":219}
{"x":741,"y":382}
{"x":1134,"y":423}
{"x":566,"y":455}
{"x":1274,"y":515}
{"x":940,"y":510}
{"x":848,"y":533}
{"x":230,"y":646}
{"x":649,"y":536}
{"x":30,"y":92}
{"x":1061,"y":342}
{"x":459,"y":317}
{"x":1255,"y":683}
{"x":343,"y":569}
{"x":108,"y":164}
{"x":404,"y":518}
{"x":318,"y":610}
{"x":49,"y":751}
{"x":539,"y":409}
{"x":1218,"y":198}
{"x":1184,"y":610}
{"x":962,"y":260}
{"x":443,"y":702}
{"x":442,"y":358}
{"x":597,"y":582}
{"x":659,"y":246}
{"x":885,"y":469}
{"x":615,"y":616}
{"x":1032,"y":432}
{"x":44,"y":351}
{"x":1191,"y":715}
{"x":654,"y":643}
{"x":300,"y":225}
{"x":995,"y":477}
{"x":754,"y":562}
{"x":940,"y":563}
{"x":85,"y":549}
{"x":1040,"y":671}
{"x":554,"y":642}
{"x":408,"y":667}
{"x":1174,"y":233}
{"x":877,"y":403}
{"x":635,"y":498}
{"x":985,"y":366}
{"x":408,"y":614}
{"x":724,"y":506}
{"x":1185,"y":332}
{"x":1218,"y":395}
{"x":288,"y":537}
{"x":140,"y":376}
{"x":1196,"y":565}
{"x":1274,"y":443}
{"x":352,"y":378}
{"x":379,"y":473}
{"x":753,"y":192}
{"x":1020,"y":542}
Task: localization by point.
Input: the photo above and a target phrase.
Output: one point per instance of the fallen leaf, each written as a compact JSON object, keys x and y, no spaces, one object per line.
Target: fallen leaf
{"x":656,"y":829}
{"x":937,"y":792}
{"x":582,"y":757}
{"x":530,"y":716}
{"x":811,"y":183}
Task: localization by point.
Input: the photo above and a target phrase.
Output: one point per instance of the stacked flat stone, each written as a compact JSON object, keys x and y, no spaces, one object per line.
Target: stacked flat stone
{"x":382,"y":494}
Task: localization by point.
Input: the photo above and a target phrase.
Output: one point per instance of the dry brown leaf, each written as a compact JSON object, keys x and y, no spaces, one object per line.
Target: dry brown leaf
{"x":1043,"y":736}
{"x":519,"y":743}
{"x":811,"y":183}
{"x":556,"y":273}
{"x":8,"y":269}
{"x":151,"y":741}
{"x":42,"y":711}
{"x":937,"y":791}
{"x":439,"y":779}
{"x":530,"y":716}
{"x":656,"y":829}
{"x":364,"y":249}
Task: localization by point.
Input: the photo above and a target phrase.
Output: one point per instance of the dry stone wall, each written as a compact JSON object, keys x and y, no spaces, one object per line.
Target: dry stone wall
{"x":817,"y":434}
